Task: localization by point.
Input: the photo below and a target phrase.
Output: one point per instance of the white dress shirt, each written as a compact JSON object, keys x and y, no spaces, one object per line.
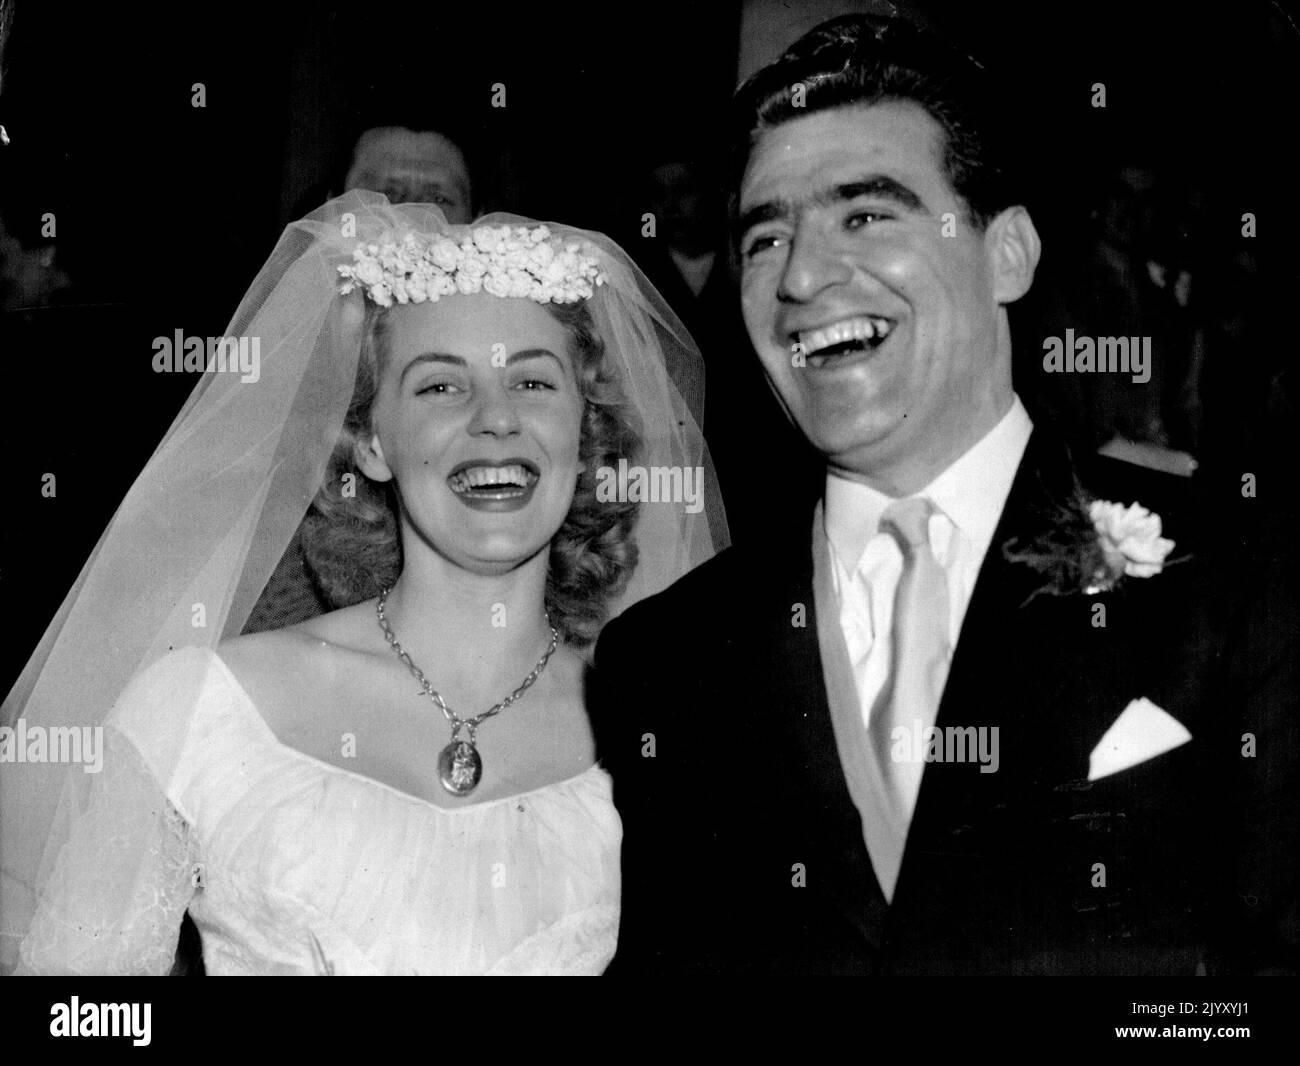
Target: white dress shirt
{"x":867,"y":563}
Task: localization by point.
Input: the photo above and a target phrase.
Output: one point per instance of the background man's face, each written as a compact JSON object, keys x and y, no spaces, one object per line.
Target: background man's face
{"x":844,"y":241}
{"x":688,"y":211}
{"x":29,"y":277}
{"x":409,"y":167}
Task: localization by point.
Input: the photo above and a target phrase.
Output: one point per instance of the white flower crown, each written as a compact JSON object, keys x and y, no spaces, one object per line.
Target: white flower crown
{"x":500,"y":260}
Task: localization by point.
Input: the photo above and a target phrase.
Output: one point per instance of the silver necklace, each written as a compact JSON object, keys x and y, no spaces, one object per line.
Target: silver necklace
{"x":460,"y":767}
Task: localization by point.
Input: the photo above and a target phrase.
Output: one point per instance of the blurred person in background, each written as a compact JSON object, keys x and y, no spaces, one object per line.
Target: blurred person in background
{"x":412,"y":166}
{"x":762,"y":462}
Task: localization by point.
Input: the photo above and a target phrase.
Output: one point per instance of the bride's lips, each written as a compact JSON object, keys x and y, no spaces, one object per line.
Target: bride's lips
{"x":494,"y":484}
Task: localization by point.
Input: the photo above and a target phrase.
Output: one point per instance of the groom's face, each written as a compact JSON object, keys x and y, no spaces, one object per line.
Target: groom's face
{"x":869,"y":296}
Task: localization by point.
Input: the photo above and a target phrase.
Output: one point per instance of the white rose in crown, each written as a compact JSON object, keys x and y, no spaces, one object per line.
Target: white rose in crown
{"x":473,"y":265}
{"x":369,"y":272}
{"x":444,"y":254}
{"x":521,"y":284}
{"x":488,"y":239}
{"x":496,"y":283}
{"x":1130,"y":538}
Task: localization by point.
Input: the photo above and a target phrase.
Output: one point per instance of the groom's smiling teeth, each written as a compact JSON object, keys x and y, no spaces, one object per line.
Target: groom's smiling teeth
{"x":846,"y":337}
{"x":482,"y":479}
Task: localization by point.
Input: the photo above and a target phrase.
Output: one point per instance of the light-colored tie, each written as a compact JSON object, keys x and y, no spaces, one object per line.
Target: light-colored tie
{"x":918,"y":663}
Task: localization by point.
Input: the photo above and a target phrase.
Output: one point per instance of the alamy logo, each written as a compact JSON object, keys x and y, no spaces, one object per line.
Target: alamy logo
{"x":58,"y":743}
{"x":921,"y":743}
{"x":658,"y":484}
{"x":102,"y":1019}
{"x":1105,"y":355}
{"x":224,"y":355}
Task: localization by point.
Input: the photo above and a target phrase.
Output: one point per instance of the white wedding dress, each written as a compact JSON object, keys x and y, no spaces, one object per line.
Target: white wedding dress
{"x":291,"y":865}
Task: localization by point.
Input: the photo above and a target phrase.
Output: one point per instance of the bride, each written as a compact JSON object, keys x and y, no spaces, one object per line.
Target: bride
{"x":406,"y":784}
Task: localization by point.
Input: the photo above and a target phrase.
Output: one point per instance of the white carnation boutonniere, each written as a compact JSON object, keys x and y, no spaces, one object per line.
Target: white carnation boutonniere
{"x":1130,"y":539}
{"x":1090,"y":546}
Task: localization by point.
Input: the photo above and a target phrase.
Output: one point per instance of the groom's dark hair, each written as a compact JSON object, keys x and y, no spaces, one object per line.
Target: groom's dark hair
{"x":860,"y":60}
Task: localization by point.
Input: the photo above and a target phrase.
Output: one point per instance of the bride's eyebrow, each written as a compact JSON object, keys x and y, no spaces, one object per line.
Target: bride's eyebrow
{"x":456,"y":360}
{"x":431,"y":357}
{"x":534,"y":353}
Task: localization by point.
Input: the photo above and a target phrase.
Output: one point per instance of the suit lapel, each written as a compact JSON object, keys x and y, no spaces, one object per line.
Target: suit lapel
{"x":810,"y":757}
{"x":852,"y":739}
{"x":1004,"y":591}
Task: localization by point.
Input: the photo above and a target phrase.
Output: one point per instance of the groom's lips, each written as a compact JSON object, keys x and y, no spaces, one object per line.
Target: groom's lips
{"x":841,"y":340}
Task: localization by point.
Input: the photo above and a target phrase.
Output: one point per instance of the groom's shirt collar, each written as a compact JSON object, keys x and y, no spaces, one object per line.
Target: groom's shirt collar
{"x":971,"y":492}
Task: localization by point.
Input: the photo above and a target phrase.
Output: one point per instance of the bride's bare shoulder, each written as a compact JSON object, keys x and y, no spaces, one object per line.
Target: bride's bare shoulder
{"x":311,"y":652}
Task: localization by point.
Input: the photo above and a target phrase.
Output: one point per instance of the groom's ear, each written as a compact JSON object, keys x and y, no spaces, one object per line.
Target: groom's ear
{"x":368,"y":454}
{"x":1014,"y":247}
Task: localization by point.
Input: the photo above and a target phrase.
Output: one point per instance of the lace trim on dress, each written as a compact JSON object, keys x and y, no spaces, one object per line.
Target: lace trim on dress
{"x":115,"y":894}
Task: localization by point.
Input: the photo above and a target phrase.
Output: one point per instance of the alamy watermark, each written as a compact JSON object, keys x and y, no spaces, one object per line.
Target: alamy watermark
{"x":211,"y":355}
{"x":657,"y":484}
{"x":58,"y":743}
{"x":1105,"y":355}
{"x":922,"y":743}
{"x":102,"y":1019}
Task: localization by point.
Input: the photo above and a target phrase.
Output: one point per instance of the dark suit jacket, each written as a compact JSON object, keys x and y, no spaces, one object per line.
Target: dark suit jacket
{"x":743,"y":850}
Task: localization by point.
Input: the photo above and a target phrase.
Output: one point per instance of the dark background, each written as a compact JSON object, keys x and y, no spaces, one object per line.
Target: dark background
{"x":165,"y":211}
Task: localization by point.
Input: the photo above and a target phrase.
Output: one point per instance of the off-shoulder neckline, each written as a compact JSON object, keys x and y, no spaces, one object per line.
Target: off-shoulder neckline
{"x":594,"y":770}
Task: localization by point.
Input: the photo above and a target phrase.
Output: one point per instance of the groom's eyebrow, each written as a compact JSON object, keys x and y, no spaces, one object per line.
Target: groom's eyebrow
{"x":764,"y":212}
{"x":877,"y":186}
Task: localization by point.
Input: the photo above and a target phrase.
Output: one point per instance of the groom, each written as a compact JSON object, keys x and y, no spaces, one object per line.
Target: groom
{"x":924,"y":727}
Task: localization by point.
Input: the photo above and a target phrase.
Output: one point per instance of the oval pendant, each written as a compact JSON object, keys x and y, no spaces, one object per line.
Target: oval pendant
{"x":459,"y":768}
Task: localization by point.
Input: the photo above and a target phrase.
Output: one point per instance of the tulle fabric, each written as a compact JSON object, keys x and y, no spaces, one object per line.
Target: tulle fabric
{"x":97,"y":877}
{"x":194,"y":542}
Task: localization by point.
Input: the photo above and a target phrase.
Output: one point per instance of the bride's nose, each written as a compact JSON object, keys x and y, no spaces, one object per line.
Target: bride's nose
{"x":494,"y":414}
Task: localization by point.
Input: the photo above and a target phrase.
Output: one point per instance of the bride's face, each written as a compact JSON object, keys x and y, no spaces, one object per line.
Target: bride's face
{"x":478,"y":418}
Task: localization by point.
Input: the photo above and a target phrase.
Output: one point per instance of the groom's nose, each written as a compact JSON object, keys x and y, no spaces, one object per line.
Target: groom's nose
{"x":814,"y":264}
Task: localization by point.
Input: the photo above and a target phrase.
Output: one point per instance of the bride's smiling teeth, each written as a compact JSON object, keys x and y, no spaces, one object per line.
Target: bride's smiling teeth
{"x":483,"y":477}
{"x":844,"y":337}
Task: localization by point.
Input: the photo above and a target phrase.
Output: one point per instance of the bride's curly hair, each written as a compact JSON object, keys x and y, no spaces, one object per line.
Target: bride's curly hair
{"x":350,"y":536}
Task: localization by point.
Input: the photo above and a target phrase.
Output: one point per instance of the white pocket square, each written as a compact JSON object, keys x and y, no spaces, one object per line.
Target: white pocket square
{"x":1142,"y":732}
